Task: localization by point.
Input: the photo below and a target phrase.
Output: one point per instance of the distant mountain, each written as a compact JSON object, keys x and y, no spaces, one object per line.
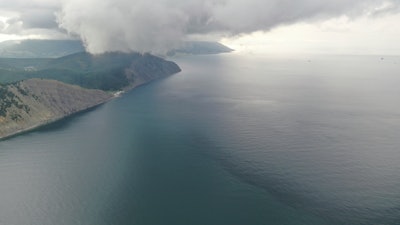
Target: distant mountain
{"x":60,"y":48}
{"x":39,"y":48}
{"x":201,"y":48}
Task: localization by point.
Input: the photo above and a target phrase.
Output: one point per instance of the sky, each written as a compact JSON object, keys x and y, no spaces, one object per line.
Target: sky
{"x":274,"y":26}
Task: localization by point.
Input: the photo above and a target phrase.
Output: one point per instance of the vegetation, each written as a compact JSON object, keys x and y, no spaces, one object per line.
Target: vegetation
{"x":8,"y":99}
{"x":106,"y":71}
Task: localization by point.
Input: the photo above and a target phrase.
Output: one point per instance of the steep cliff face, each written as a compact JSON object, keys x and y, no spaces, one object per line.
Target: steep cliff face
{"x":34,"y":102}
{"x":148,"y":68}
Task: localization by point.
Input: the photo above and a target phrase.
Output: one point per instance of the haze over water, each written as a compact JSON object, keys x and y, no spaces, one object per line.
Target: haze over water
{"x":233,"y":139}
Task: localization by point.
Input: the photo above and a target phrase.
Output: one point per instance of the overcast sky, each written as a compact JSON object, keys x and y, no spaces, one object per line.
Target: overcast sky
{"x":278,"y":26}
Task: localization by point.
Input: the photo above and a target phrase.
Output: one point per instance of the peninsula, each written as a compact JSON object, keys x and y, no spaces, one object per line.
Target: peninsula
{"x":35,"y":92}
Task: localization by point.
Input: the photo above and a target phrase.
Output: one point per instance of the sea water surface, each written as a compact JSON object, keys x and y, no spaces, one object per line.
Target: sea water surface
{"x":233,"y":139}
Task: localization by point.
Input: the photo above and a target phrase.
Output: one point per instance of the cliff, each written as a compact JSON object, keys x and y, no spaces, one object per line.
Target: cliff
{"x":148,"y":68}
{"x":35,"y":102}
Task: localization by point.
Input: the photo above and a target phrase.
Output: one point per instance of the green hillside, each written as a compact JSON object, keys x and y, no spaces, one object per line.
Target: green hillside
{"x":106,"y":71}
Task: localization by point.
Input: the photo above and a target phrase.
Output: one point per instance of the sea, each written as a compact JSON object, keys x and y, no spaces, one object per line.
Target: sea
{"x":234,"y":139}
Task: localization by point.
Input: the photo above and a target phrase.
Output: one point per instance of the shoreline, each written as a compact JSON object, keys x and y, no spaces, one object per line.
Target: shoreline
{"x":114,"y":95}
{"x":50,"y":121}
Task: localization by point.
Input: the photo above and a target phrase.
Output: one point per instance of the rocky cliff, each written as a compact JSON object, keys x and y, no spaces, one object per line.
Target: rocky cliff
{"x":30,"y":103}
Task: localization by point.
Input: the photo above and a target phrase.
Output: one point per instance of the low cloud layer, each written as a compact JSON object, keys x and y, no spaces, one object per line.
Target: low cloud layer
{"x":159,"y":25}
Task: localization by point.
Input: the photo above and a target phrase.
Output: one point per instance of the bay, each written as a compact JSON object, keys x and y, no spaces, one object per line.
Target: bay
{"x":233,"y":139}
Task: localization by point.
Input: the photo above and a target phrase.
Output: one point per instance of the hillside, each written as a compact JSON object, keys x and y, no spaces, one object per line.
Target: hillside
{"x":34,"y":102}
{"x":34,"y":92}
{"x":109,"y":71}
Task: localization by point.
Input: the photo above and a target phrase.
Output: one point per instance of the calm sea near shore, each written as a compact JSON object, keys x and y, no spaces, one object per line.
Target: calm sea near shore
{"x":233,"y":139}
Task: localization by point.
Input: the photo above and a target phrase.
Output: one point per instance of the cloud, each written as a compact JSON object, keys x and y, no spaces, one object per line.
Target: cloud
{"x":16,"y":5}
{"x":376,"y":35}
{"x":158,"y":25}
{"x":123,"y":26}
{"x":12,"y":26}
{"x":23,"y":19}
{"x":38,"y":18}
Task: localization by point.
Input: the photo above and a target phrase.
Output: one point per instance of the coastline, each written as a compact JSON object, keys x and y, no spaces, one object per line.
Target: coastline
{"x":115,"y":94}
{"x":50,"y":121}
